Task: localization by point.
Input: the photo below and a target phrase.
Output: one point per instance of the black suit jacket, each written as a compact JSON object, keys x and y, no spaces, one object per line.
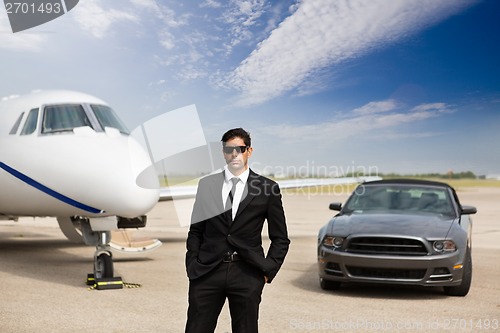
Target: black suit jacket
{"x":212,"y":234}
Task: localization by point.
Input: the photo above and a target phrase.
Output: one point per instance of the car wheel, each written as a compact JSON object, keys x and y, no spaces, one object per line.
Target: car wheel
{"x":463,"y":288}
{"x":329,"y":285}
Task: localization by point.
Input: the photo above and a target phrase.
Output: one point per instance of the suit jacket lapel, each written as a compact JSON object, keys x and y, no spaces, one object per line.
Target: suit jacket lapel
{"x":216,"y":191}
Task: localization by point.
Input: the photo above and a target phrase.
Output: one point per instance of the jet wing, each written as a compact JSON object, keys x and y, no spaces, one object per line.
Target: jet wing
{"x":184,"y":192}
{"x":178,"y":192}
{"x":310,"y":182}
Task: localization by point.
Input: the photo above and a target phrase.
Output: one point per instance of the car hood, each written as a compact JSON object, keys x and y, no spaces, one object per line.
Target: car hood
{"x":427,"y":226}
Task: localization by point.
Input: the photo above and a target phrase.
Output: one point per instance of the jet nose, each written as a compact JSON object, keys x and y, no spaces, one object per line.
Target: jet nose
{"x":143,"y":188}
{"x":137,"y":201}
{"x":131,"y":187}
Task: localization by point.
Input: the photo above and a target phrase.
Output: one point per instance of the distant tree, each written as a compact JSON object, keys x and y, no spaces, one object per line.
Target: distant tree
{"x":448,"y":175}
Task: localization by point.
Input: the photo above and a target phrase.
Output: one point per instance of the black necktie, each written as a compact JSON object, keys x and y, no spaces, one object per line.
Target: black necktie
{"x":229,"y":201}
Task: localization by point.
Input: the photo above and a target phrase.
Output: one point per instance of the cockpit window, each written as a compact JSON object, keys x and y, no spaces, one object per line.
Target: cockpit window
{"x":16,"y":124}
{"x":64,"y":118}
{"x":31,"y":122}
{"x":107,"y":118}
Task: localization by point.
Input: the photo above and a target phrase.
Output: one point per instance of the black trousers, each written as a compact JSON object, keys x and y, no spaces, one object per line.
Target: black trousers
{"x":237,"y":281}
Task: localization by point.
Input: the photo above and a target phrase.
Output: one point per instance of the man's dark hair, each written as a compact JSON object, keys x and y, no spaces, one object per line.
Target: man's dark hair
{"x":237,"y":133}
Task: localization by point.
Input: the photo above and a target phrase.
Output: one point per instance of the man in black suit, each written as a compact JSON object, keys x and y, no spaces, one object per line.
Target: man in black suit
{"x":225,"y":258}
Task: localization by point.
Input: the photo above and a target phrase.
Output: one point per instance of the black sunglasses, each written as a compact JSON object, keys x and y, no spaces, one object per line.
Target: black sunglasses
{"x":239,"y":149}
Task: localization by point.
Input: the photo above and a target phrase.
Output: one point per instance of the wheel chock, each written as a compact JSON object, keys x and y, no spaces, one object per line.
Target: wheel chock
{"x":104,"y":283}
{"x":90,"y":280}
{"x":109,"y":283}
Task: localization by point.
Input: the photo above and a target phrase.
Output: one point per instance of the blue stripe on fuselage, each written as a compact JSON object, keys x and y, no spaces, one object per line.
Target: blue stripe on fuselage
{"x":49,"y":191}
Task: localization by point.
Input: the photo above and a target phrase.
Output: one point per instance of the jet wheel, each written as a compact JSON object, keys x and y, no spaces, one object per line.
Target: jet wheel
{"x":103,"y":266}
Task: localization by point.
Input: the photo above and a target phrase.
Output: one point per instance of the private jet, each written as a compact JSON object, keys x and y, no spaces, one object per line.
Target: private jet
{"x":67,"y":155}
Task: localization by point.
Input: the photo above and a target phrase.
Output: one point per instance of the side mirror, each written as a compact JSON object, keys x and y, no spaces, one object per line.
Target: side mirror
{"x":469,"y":210}
{"x":335,"y":206}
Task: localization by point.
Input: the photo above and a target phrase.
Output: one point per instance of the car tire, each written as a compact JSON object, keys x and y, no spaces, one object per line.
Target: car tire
{"x":463,"y":288}
{"x":329,"y":285}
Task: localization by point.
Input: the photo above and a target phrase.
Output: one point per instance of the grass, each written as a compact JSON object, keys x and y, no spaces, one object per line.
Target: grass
{"x":465,"y":182}
{"x":457,"y":184}
{"x":178,"y":180}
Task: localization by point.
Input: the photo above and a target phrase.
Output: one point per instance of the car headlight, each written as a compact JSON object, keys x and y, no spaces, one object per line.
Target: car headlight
{"x":333,"y":241}
{"x":444,"y":246}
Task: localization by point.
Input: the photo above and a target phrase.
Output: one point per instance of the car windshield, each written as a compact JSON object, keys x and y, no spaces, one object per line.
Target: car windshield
{"x":400,"y":198}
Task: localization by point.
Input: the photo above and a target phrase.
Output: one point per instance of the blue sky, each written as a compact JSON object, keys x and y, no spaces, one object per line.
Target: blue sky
{"x":382,"y":85}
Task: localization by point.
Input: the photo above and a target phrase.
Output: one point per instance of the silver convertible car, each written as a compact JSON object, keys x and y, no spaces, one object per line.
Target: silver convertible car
{"x":401,"y":231}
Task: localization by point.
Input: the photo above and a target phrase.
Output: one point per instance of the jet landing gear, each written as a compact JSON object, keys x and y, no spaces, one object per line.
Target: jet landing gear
{"x":97,"y":232}
{"x":102,"y":278}
{"x":103,"y":258}
{"x":103,"y":266}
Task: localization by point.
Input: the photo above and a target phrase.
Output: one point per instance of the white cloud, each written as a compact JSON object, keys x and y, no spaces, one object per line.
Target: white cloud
{"x":92,"y":17}
{"x":157,"y":83}
{"x":196,"y":42}
{"x":432,"y":107}
{"x":167,"y":40}
{"x":167,"y":15}
{"x":146,"y":4}
{"x":376,"y":107}
{"x":244,"y":12}
{"x":241,"y":15}
{"x":23,"y":41}
{"x":211,"y":4}
{"x":373,"y":118}
{"x":322,"y":33}
{"x":189,"y":73}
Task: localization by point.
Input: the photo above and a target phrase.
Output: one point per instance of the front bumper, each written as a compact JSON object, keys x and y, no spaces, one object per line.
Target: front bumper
{"x":428,"y":270}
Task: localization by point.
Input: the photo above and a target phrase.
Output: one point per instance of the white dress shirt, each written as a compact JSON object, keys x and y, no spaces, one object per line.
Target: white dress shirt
{"x":240,"y":186}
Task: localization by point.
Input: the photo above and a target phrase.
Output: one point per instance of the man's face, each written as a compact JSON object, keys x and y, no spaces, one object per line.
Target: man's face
{"x":237,"y":162}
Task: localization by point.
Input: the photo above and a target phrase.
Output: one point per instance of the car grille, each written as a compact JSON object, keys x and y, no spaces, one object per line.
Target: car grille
{"x":387,"y":273}
{"x":387,"y":246}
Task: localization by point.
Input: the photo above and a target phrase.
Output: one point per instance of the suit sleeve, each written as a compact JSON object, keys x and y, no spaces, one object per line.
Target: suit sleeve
{"x":196,"y":229}
{"x":277,"y":231}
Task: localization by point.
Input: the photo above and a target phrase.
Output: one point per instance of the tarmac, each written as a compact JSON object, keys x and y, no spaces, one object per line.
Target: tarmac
{"x":42,"y":281}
